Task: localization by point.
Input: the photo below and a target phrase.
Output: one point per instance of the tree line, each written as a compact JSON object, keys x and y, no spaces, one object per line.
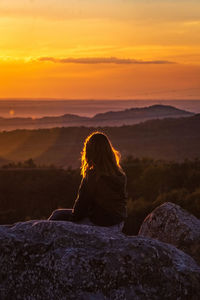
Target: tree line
{"x":28,"y":191}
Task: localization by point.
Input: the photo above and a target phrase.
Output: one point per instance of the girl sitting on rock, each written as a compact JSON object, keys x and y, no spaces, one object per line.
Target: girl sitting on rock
{"x":101,"y":198}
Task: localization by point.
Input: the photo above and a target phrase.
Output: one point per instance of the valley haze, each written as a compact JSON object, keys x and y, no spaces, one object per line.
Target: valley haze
{"x":167,"y":134}
{"x":129,"y":116}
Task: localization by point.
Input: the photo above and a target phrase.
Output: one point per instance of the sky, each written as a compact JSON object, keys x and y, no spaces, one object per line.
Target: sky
{"x":100,"y":49}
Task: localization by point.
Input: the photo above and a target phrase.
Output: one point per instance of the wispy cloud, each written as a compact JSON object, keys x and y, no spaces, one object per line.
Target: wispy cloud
{"x":103,"y":60}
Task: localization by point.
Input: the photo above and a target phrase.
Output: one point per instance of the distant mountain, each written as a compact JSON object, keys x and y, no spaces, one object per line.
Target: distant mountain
{"x":168,"y":139}
{"x":111,"y":118}
{"x":154,"y":111}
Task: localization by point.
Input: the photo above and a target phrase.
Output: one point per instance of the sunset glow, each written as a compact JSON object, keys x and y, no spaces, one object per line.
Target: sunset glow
{"x":100,"y":49}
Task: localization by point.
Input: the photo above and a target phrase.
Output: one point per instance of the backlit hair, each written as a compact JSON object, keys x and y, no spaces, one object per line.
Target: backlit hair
{"x":99,"y":155}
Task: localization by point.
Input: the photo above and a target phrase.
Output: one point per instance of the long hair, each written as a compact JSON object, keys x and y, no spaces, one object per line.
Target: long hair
{"x":99,"y":155}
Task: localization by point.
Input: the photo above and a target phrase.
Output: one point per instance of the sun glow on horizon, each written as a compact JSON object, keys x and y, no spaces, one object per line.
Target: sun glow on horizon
{"x":100,"y":49}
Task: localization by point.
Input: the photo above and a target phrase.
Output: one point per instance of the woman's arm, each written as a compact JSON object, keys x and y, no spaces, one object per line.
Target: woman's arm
{"x":82,"y":202}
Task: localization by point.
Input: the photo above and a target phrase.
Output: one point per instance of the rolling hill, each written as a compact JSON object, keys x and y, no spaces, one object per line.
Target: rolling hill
{"x":168,"y":139}
{"x":111,"y":118}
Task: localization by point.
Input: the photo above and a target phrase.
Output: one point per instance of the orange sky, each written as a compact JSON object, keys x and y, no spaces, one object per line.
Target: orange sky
{"x":100,"y":49}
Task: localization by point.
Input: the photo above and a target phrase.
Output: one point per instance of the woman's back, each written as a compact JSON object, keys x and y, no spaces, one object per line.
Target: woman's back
{"x":102,"y":192}
{"x":102,"y":199}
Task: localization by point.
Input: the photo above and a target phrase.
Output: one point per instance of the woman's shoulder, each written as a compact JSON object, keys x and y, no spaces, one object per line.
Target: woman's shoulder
{"x":120,"y":174}
{"x":118,"y":178}
{"x":90,"y":176}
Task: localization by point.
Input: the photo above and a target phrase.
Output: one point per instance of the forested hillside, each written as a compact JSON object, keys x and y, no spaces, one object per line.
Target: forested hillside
{"x":169,"y":139}
{"x":28,"y":192}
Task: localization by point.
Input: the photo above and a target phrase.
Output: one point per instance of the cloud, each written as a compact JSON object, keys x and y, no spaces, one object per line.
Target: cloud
{"x":103,"y":60}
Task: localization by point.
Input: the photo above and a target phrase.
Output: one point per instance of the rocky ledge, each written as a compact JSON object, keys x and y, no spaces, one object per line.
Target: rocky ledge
{"x":61,"y":260}
{"x":171,"y":224}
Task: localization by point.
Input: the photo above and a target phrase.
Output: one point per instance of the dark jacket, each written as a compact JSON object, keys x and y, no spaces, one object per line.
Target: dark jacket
{"x":102,"y":200}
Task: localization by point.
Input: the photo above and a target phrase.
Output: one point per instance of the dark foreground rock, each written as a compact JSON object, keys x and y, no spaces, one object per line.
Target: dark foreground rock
{"x":60,"y":260}
{"x":171,"y":224}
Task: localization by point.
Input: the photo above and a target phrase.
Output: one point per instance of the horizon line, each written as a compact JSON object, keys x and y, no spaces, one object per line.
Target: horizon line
{"x":95,"y":99}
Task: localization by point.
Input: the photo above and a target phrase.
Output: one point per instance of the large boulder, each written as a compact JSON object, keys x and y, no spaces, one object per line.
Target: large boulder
{"x":171,"y":224}
{"x":62,"y":260}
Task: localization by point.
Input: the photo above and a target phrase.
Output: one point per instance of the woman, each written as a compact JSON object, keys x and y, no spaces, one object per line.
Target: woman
{"x":101,"y":197}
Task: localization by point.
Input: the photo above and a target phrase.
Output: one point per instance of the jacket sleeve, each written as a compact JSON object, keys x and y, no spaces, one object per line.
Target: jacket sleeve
{"x":82,"y":202}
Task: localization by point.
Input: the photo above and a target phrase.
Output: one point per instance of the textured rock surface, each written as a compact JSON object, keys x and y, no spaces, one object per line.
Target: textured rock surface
{"x":171,"y":224}
{"x":61,"y":260}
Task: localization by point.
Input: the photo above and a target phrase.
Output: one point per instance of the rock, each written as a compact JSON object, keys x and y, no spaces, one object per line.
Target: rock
{"x":171,"y":224}
{"x":48,"y":260}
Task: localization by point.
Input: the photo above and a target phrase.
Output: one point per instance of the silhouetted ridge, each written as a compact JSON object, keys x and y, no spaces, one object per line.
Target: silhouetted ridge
{"x":196,"y":116}
{"x":110,"y":118}
{"x":157,"y":110}
{"x":169,"y":138}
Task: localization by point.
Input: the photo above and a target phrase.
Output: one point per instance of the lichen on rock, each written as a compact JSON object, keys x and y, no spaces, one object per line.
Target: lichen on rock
{"x":171,"y":224}
{"x":63,"y":260}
